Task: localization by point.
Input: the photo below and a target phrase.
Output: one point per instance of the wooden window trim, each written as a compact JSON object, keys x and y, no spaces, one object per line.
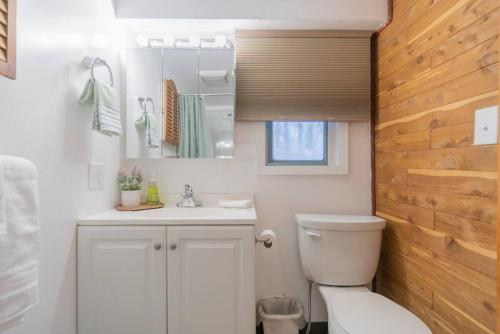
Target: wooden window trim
{"x":171,"y":113}
{"x":8,"y":68}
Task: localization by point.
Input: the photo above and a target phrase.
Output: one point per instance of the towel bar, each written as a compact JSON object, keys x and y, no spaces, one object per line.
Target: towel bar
{"x":90,"y":62}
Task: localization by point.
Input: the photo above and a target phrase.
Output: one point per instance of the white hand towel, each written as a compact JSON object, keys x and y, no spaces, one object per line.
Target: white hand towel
{"x":19,"y":245}
{"x":235,"y":203}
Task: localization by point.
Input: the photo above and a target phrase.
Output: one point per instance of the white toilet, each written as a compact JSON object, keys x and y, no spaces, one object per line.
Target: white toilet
{"x":340,"y":253}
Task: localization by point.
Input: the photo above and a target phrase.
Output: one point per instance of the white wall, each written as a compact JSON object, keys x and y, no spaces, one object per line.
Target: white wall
{"x":277,"y":199}
{"x":40,"y":119}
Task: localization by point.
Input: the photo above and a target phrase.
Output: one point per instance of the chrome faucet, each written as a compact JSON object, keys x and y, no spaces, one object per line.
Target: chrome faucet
{"x":187,"y":198}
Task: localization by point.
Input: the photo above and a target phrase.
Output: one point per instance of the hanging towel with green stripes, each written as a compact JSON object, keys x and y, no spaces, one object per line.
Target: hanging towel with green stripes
{"x":106,"y":114}
{"x":147,"y":121}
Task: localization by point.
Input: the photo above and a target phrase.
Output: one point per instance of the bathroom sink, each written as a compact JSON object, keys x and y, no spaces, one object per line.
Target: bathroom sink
{"x":174,"y":216}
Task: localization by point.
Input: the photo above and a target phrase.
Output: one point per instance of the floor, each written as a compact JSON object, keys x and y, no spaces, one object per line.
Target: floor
{"x":316,"y":328}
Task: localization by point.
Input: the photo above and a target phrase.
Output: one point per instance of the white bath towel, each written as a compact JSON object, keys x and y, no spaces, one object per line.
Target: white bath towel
{"x":19,"y":243}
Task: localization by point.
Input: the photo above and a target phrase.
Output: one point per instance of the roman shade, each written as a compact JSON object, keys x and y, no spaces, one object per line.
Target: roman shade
{"x":303,"y":75}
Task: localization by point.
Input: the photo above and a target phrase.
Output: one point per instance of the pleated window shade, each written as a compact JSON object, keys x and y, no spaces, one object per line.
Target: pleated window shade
{"x":8,"y":38}
{"x":303,"y":75}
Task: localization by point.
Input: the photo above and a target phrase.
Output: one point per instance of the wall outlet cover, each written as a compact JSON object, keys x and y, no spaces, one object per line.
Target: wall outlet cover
{"x":486,"y":126}
{"x":96,"y":176}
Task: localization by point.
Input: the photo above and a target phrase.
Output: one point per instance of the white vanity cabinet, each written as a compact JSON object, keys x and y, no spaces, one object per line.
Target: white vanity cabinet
{"x":211,"y":280}
{"x":122,"y":280}
{"x":166,"y":279}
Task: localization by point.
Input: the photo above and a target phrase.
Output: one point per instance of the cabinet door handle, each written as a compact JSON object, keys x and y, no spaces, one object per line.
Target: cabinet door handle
{"x":313,"y":234}
{"x":173,"y":246}
{"x":157,"y":246}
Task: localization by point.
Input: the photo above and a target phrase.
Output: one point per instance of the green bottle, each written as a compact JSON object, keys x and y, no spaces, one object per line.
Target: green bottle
{"x":153,"y":195}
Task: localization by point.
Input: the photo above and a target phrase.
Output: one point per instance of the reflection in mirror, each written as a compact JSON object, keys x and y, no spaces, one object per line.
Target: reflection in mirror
{"x":195,"y":87}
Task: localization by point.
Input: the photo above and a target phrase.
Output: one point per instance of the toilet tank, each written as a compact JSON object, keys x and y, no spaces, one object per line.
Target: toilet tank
{"x":340,"y":250}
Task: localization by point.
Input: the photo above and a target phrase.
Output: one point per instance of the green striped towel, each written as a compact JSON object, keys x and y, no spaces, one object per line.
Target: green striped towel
{"x":148,"y":121}
{"x":106,"y":118}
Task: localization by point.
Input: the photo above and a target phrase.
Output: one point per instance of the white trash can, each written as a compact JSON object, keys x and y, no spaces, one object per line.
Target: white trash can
{"x":281,"y":315}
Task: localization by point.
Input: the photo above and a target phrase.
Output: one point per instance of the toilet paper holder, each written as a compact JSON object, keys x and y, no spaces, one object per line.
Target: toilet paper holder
{"x":268,"y":243}
{"x":266,"y":238}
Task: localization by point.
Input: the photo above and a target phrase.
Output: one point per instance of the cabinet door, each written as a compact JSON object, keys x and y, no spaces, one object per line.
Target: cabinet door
{"x":122,"y":280}
{"x":211,"y":281}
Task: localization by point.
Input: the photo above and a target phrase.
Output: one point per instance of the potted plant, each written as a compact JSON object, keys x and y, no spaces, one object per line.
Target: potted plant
{"x":130,"y":183}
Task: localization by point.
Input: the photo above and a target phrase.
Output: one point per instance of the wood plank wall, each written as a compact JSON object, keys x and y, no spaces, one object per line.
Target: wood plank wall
{"x":436,"y":63}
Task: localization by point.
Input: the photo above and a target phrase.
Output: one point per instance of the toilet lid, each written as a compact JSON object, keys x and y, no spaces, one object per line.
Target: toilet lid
{"x":340,"y":222}
{"x":359,"y":312}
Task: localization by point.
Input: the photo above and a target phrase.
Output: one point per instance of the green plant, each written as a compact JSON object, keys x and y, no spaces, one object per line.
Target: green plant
{"x":130,"y":180}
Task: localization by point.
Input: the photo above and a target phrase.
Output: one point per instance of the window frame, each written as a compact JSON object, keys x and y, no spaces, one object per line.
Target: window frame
{"x":338,"y":154}
{"x":269,"y":148}
{"x":8,"y":67}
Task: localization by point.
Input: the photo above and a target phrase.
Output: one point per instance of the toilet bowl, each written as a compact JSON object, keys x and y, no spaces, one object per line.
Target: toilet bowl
{"x":340,"y":253}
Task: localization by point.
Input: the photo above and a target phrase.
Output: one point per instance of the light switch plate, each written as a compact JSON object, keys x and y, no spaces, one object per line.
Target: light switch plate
{"x":486,"y":126}
{"x":96,"y":176}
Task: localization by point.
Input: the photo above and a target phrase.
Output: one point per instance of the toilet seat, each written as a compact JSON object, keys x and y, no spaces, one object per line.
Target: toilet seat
{"x":357,"y":310}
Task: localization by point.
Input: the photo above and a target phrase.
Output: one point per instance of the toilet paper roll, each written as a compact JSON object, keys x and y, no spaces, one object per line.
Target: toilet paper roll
{"x":268,"y":236}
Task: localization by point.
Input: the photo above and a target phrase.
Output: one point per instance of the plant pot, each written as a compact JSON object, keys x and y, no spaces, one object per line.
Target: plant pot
{"x":131,"y":197}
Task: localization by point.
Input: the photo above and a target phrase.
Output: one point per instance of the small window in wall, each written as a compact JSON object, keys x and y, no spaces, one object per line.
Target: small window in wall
{"x":296,"y":143}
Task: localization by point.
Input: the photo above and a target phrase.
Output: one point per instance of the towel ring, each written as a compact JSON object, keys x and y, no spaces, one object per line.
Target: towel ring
{"x":91,"y":62}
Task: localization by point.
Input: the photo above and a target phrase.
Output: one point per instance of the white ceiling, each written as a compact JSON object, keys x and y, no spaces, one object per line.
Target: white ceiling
{"x":226,"y":15}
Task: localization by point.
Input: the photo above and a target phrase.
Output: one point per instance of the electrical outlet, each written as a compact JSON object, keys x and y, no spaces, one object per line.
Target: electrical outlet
{"x":486,"y":126}
{"x":96,"y":176}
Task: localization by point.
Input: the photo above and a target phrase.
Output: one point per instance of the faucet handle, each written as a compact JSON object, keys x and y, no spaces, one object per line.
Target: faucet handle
{"x":188,"y":190}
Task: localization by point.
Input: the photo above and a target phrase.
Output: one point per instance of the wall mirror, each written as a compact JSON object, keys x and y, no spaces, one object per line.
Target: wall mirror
{"x":180,"y":100}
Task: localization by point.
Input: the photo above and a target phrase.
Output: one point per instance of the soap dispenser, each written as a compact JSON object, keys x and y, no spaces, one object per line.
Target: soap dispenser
{"x":153,"y":194}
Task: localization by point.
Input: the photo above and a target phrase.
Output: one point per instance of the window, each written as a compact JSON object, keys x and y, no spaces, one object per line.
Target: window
{"x":296,"y":143}
{"x":302,"y":148}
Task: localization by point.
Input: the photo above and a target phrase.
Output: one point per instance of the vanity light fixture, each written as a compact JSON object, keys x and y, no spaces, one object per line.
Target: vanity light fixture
{"x":195,"y":41}
{"x":168,"y":41}
{"x":220,"y":41}
{"x":156,"y":42}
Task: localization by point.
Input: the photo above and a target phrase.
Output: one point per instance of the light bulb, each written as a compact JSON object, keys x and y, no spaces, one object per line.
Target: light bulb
{"x":142,"y":40}
{"x":168,"y":41}
{"x":220,"y":41}
{"x":195,"y":41}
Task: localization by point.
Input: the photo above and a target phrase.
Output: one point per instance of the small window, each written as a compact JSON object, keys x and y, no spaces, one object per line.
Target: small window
{"x":294,"y":143}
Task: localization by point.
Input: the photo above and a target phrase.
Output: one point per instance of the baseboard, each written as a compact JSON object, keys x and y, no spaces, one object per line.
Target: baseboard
{"x":316,"y":328}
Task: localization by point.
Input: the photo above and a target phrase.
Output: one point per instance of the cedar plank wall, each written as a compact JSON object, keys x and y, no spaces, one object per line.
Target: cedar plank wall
{"x":437,"y":63}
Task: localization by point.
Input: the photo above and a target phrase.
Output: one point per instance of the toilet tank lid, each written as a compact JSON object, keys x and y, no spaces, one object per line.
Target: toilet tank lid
{"x":340,"y":222}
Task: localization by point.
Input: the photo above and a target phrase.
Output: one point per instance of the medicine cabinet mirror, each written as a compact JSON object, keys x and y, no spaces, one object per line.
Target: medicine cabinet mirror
{"x":180,"y":101}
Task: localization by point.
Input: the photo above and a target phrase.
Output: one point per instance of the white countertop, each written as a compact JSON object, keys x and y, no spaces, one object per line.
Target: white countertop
{"x":173,"y":216}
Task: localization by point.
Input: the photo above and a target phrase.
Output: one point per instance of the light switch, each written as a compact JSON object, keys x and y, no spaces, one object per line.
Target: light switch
{"x":96,"y":176}
{"x":486,"y":126}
